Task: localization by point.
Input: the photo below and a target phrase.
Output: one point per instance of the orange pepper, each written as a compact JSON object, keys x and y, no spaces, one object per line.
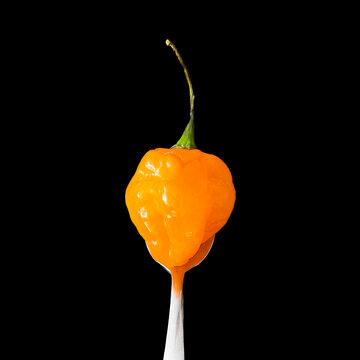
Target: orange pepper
{"x":179,"y":197}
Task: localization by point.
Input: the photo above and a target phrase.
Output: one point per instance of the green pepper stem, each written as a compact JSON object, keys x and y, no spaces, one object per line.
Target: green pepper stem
{"x":187,"y":139}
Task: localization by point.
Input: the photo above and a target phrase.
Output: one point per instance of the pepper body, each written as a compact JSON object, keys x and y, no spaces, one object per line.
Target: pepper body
{"x":178,"y":199}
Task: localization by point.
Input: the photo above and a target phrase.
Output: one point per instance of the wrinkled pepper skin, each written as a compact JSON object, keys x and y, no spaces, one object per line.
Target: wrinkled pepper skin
{"x":178,"y":199}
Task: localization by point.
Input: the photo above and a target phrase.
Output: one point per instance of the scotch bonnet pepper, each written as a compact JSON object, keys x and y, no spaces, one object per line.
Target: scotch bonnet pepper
{"x":179,"y":197}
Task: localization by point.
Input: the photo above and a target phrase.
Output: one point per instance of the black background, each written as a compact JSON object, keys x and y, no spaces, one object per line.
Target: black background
{"x":101,"y":95}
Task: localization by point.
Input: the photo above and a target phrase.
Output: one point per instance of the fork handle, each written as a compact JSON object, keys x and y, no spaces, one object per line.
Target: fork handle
{"x":174,"y":346}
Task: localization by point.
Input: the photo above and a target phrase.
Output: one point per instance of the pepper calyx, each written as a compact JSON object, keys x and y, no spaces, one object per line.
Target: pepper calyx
{"x":187,"y":140}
